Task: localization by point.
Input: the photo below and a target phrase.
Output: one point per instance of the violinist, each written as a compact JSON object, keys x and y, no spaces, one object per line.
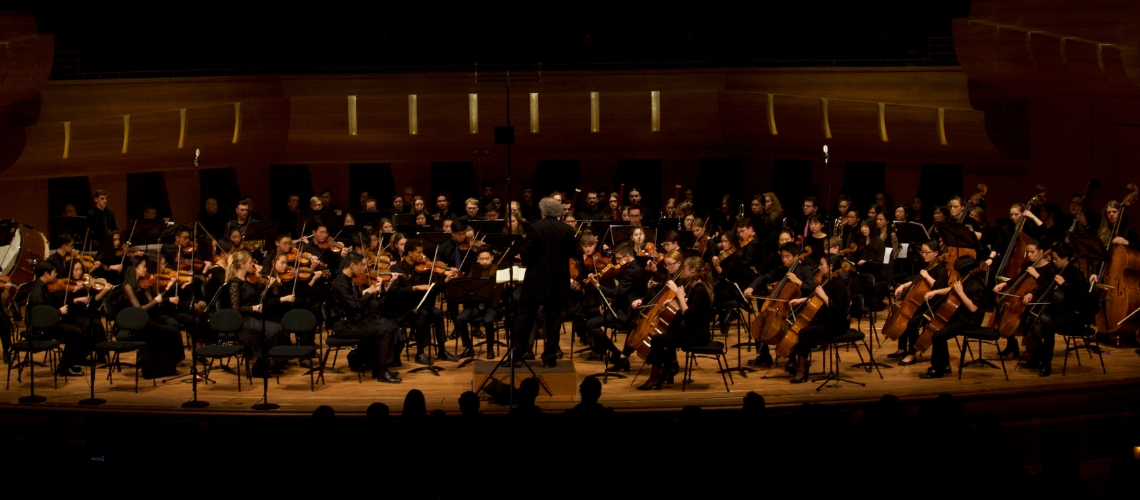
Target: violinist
{"x":454,"y":253}
{"x":636,"y":216}
{"x":701,"y":242}
{"x":110,"y":261}
{"x":386,"y":226}
{"x":1070,"y":309}
{"x":687,"y":222}
{"x":233,"y":241}
{"x":163,"y":340}
{"x":671,"y":241}
{"x":637,"y":239}
{"x":247,"y":294}
{"x":689,"y":327}
{"x":830,"y":321}
{"x":625,"y":295}
{"x":938,"y":279}
{"x":974,"y":295}
{"x":74,"y":339}
{"x":751,"y":250}
{"x":243,"y":217}
{"x":801,"y":276}
{"x":327,"y":251}
{"x":421,"y":219}
{"x":352,"y":314}
{"x":84,"y":303}
{"x":180,"y":245}
{"x":730,"y":272}
{"x":1043,"y":273}
{"x":64,"y":246}
{"x":586,"y":261}
{"x":514,"y":225}
{"x":410,"y":290}
{"x":283,"y":246}
{"x":477,"y":314}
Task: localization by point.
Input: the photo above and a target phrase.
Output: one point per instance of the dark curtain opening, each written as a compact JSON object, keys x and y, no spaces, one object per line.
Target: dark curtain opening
{"x":73,"y":190}
{"x":220,"y":184}
{"x":556,"y":175}
{"x":791,"y":181}
{"x":376,"y":178}
{"x":456,"y":179}
{"x":147,"y":189}
{"x":285,"y":181}
{"x":861,"y":180}
{"x":716,"y":178}
{"x":937,"y":184}
{"x":645,"y":176}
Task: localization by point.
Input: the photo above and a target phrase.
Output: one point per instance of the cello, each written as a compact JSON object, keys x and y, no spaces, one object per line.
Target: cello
{"x":655,"y":320}
{"x":807,"y":314}
{"x":1122,"y":280}
{"x":896,"y":322}
{"x":1007,"y":318}
{"x":772,"y":322}
{"x":1014,"y":254}
{"x":944,"y":312}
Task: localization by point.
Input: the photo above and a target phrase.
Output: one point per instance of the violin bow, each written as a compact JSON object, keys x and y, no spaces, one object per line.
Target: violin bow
{"x":128,"y":242}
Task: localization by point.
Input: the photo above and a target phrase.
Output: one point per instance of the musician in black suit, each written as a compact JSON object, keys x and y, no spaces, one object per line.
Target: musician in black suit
{"x":1070,"y":310}
{"x":75,"y":342}
{"x":546,"y":251}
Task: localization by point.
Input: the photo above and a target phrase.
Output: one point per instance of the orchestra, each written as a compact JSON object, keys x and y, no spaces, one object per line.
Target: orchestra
{"x":787,"y":279}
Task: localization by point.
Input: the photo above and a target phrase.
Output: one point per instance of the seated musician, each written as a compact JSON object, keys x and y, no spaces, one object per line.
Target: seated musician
{"x":283,"y":244}
{"x":585,"y":299}
{"x":625,"y":296}
{"x":938,"y":278}
{"x":247,"y":295}
{"x":802,"y":276}
{"x":477,"y":314}
{"x":1070,"y":309}
{"x":109,"y":261}
{"x":411,"y":288}
{"x":352,"y":313}
{"x":730,"y":272}
{"x":321,"y":245}
{"x":817,"y":240}
{"x":689,"y":327}
{"x":974,"y":295}
{"x":163,"y":340}
{"x":830,"y":321}
{"x":869,"y":249}
{"x":74,"y":339}
{"x":288,"y":289}
{"x":751,"y":251}
{"x":85,"y":304}
{"x":64,"y":245}
{"x":1043,"y":273}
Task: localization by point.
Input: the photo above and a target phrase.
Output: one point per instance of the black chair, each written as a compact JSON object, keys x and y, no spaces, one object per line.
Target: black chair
{"x":1088,"y":342}
{"x":857,"y":311}
{"x":227,"y":323}
{"x":715,"y":349}
{"x":983,"y":336}
{"x":129,"y":324}
{"x":296,"y":321}
{"x":40,"y":319}
{"x":334,"y":344}
{"x":831,"y":357}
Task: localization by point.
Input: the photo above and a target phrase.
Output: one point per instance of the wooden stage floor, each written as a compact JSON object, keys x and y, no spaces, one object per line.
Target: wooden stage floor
{"x":347,"y":396}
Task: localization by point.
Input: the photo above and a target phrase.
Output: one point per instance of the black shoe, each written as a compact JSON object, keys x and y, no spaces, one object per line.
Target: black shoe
{"x":71,"y":372}
{"x":908,"y":363}
{"x":933,"y":373}
{"x":528,"y":356}
{"x":467,"y":353}
{"x":550,"y":363}
{"x":1011,"y":348}
{"x":446,"y":356}
{"x":791,"y":366}
{"x":388,"y":377}
{"x":621,"y":364}
{"x":897,"y":355}
{"x":762,"y":362}
{"x":558,"y":355}
{"x":490,"y":353}
{"x":306,"y":363}
{"x":1045,"y":371}
{"x":453,"y":335}
{"x":422,"y":359}
{"x":475,"y":332}
{"x":799,"y":378}
{"x":591,"y":356}
{"x":652,"y":384}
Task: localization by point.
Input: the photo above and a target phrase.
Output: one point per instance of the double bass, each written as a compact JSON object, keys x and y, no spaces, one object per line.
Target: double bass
{"x":943,"y":314}
{"x":1121,"y":281}
{"x":772,"y":322}
{"x":1014,"y":254}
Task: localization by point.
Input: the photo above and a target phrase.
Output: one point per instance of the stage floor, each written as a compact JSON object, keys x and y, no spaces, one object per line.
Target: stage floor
{"x":984,"y":386}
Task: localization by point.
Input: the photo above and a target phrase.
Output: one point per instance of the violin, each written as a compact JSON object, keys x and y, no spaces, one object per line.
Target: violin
{"x":596,"y":260}
{"x":65,"y":284}
{"x":290,"y":274}
{"x":332,"y":244}
{"x":255,"y":279}
{"x":87,"y":260}
{"x":125,"y":249}
{"x":160,"y":279}
{"x":373,"y":277}
{"x":294,"y":255}
{"x":612,"y":270}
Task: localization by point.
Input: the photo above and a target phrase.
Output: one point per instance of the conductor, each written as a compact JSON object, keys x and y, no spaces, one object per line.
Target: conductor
{"x":546,"y":250}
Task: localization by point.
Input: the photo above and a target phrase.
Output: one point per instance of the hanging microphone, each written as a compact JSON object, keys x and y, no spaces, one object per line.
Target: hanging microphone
{"x":825,"y":155}
{"x":199,"y":152}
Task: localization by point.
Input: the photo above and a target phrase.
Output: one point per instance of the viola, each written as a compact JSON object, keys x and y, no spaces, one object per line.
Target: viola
{"x":596,"y":260}
{"x":294,"y":255}
{"x":87,"y":260}
{"x":611,"y":271}
{"x":332,"y":244}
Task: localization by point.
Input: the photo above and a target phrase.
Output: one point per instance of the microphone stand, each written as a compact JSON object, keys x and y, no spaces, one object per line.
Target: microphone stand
{"x":194,"y":402}
{"x":606,"y":352}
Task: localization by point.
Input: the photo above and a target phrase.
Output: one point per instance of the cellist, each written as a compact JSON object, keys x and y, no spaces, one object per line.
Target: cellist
{"x":1069,"y":311}
{"x":974,"y":294}
{"x":801,"y":276}
{"x":830,"y":321}
{"x":689,"y":326}
{"x":938,"y":278}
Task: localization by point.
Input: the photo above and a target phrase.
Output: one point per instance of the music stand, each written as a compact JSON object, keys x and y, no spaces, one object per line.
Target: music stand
{"x":418,"y":231}
{"x":76,"y":227}
{"x":911,"y":232}
{"x":350,"y":235}
{"x":433,"y":239}
{"x":487,"y":226}
{"x":405,"y":220}
{"x":313,"y":218}
{"x":368,"y":219}
{"x":958,"y":236}
{"x":669,"y":223}
{"x":1086,"y":246}
{"x":467,"y":290}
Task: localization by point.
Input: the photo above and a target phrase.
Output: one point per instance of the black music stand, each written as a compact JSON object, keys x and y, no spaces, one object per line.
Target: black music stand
{"x":669,"y":223}
{"x":312,"y":218}
{"x":418,"y":231}
{"x":471,"y":290}
{"x":368,"y":219}
{"x":482,"y":227}
{"x":404,"y":220}
{"x":76,"y":227}
{"x":958,"y":236}
{"x":265,"y":230}
{"x":432,"y":239}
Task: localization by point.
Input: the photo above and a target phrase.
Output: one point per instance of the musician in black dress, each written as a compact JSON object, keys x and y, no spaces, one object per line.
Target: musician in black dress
{"x":1043,"y":273}
{"x":163,"y":340}
{"x":974,"y":296}
{"x":74,"y":339}
{"x":353,"y":314}
{"x":258,"y":334}
{"x":1069,"y":310}
{"x":938,"y":278}
{"x":830,"y":320}
{"x":689,"y":326}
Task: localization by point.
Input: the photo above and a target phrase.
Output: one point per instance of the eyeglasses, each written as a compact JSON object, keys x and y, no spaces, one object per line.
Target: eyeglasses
{"x":927,"y":252}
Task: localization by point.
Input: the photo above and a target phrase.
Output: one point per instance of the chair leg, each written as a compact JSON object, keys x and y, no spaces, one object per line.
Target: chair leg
{"x":1002,"y":359}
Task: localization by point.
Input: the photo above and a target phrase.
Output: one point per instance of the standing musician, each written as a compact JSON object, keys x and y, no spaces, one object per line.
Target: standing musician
{"x":830,"y":321}
{"x":689,"y":326}
{"x":477,"y":314}
{"x":74,"y":339}
{"x":938,"y":278}
{"x":974,"y":294}
{"x":546,"y":252}
{"x":163,"y":340}
{"x":1127,"y":235}
{"x":1043,"y":273}
{"x":802,"y":276}
{"x":100,"y":218}
{"x":411,"y":288}
{"x":353,"y":314}
{"x":1070,"y":309}
{"x":242,"y":217}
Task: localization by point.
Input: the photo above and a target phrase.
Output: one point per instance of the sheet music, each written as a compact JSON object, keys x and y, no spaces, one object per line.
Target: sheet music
{"x":903,"y":250}
{"x":504,"y":275}
{"x":887,"y":255}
